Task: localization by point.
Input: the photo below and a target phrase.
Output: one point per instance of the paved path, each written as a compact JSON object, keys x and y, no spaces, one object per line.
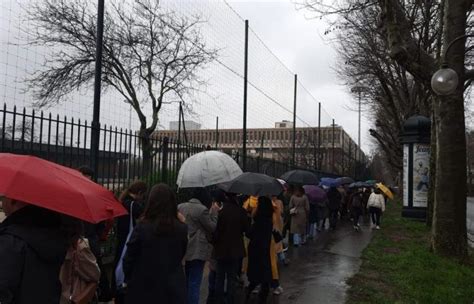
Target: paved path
{"x":318,"y":271}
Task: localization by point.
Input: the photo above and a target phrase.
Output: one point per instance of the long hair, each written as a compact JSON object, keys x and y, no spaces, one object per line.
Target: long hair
{"x":137,"y":187}
{"x":264,"y":209}
{"x":161,"y":209}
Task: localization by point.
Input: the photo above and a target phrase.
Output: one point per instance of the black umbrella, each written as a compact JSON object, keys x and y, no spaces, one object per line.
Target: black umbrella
{"x":300,"y":177}
{"x":253,"y":184}
{"x":345,"y":180}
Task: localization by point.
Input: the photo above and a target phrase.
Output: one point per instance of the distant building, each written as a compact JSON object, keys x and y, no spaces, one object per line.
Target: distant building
{"x":284,"y":124}
{"x":189,"y":124}
{"x":276,"y":143}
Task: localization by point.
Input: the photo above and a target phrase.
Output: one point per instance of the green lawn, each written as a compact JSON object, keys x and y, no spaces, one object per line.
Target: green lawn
{"x":398,"y":267}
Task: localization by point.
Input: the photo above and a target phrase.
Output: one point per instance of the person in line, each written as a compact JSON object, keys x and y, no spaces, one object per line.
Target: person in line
{"x":276,"y":249}
{"x":376,"y":205}
{"x":201,"y":225}
{"x":93,"y":233}
{"x":312,"y":219}
{"x":232,"y":223}
{"x":133,"y":199}
{"x":153,"y":262}
{"x":357,"y":207}
{"x":299,"y":210}
{"x":33,"y":245}
{"x":286,"y":198}
{"x":334,"y":204}
{"x":322,"y":213}
{"x":259,"y":270}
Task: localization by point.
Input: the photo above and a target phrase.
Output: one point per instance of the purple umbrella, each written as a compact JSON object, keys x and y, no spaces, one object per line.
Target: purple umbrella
{"x":315,"y":194}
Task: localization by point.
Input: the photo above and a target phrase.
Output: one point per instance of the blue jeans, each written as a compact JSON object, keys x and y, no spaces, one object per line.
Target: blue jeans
{"x":194,"y":270}
{"x":299,"y":239}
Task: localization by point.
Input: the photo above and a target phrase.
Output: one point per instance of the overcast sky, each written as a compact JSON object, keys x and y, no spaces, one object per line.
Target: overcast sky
{"x":290,"y":43}
{"x":300,"y":43}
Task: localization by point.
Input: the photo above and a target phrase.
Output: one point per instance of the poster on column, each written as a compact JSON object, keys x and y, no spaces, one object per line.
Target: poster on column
{"x":405,"y":174}
{"x":421,"y":174}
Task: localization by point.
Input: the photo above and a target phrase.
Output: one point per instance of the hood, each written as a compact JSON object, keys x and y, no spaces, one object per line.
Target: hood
{"x":45,"y":239}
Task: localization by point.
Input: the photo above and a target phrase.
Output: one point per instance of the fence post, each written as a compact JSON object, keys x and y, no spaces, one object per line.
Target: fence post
{"x":95,"y":135}
{"x":244,"y":137}
{"x":333,"y":146}
{"x":217,"y":132}
{"x":293,"y":156}
{"x":343,"y":169}
{"x":164,"y":159}
{"x":319,"y":136}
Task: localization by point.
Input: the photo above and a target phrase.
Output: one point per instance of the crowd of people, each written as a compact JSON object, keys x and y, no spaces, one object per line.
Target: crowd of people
{"x":164,"y":247}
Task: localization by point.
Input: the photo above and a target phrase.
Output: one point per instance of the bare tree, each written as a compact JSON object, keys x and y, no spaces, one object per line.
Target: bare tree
{"x":399,"y":46}
{"x":150,"y":56}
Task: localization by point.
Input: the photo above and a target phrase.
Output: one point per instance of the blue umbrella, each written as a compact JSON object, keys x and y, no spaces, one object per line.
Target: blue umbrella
{"x":329,"y":182}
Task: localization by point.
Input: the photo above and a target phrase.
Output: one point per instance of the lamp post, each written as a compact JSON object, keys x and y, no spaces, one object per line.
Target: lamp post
{"x":359,"y":90}
{"x":445,"y":80}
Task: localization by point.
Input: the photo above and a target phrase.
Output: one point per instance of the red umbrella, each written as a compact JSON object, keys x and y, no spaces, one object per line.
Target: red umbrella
{"x":45,"y":184}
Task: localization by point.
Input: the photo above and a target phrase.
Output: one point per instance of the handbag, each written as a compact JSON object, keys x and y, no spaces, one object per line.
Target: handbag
{"x":79,"y":275}
{"x":277,"y":237}
{"x":119,"y":275}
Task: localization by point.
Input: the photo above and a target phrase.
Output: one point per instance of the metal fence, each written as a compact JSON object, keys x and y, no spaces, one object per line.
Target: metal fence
{"x":121,"y":155}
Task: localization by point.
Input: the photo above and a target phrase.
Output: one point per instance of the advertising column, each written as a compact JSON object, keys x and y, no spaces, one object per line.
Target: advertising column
{"x":421,"y":171}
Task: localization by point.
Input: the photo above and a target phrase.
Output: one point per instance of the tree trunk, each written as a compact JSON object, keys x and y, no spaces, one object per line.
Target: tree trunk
{"x":431,"y":191}
{"x":146,"y":144}
{"x":449,"y":217}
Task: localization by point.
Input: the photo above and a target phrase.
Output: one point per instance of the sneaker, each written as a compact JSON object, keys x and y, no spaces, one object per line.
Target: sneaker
{"x":256,"y":290}
{"x":356,"y":228}
{"x":278,"y":291}
{"x":378,"y":227}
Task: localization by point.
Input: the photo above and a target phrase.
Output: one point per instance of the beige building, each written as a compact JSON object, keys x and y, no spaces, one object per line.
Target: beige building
{"x":277,"y":143}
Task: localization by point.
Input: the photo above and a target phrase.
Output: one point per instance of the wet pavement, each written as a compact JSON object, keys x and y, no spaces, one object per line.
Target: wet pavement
{"x":318,"y":271}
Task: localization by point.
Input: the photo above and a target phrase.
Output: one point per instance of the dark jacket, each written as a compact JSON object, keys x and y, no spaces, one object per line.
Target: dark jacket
{"x":259,"y":263}
{"x":334,"y":199}
{"x":32,"y":250}
{"x":123,"y":224}
{"x":232,"y":223}
{"x":153,"y":265}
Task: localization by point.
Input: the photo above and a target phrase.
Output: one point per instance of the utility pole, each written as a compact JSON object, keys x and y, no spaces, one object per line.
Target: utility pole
{"x":319,"y":136}
{"x":95,"y":133}
{"x":217,"y":132}
{"x":293,"y":157}
{"x":244,"y":137}
{"x":333,"y":146}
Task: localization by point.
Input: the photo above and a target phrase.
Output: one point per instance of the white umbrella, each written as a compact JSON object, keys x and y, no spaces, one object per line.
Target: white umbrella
{"x":207,"y":168}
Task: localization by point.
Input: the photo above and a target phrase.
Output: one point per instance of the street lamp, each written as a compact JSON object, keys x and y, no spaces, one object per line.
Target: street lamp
{"x":445,"y":80}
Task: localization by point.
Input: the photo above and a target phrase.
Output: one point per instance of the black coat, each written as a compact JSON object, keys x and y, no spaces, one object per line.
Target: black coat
{"x":232,"y":224}
{"x":123,"y":224}
{"x":32,"y":250}
{"x":152,"y":265}
{"x":334,"y":199}
{"x":313,"y":213}
{"x":259,"y":263}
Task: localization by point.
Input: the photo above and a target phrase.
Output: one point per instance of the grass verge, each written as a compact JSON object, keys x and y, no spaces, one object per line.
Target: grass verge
{"x":398,"y":267}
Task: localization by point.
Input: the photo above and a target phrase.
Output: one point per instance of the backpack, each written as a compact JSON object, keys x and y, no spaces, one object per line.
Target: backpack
{"x":79,"y":274}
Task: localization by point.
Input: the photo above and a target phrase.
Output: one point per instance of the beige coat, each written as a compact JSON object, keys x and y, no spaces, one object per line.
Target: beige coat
{"x":299,"y":220}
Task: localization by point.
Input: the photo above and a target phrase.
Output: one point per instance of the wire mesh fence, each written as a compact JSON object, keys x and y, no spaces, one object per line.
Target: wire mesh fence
{"x":271,"y":96}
